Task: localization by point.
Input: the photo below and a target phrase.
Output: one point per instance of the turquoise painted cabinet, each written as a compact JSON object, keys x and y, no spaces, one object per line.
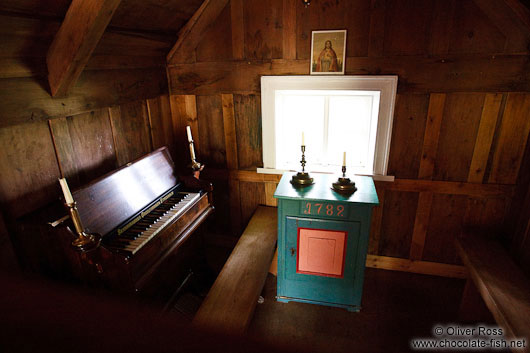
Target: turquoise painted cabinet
{"x":323,"y":241}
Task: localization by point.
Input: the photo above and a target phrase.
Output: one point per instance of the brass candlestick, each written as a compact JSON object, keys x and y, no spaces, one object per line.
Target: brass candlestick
{"x":196,"y":167}
{"x":84,"y":241}
{"x":302,"y":178}
{"x":344,"y":185}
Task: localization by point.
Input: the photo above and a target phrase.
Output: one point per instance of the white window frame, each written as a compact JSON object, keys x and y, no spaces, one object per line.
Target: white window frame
{"x":386,"y":85}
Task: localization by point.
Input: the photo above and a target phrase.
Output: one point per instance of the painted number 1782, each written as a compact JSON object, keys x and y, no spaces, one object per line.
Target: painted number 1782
{"x":324,"y":209}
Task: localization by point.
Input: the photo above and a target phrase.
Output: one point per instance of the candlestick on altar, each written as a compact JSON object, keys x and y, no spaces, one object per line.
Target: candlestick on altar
{"x":302,"y":178}
{"x":343,"y":184}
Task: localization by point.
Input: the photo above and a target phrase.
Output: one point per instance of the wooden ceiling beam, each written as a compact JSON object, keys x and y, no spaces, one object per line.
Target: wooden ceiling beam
{"x":190,"y":35}
{"x":511,"y":17}
{"x":82,"y":28}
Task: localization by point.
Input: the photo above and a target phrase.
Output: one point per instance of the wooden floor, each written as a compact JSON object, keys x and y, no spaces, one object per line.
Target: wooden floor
{"x":396,"y":307}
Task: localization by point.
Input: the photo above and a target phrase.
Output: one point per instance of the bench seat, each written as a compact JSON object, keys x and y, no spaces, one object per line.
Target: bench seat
{"x":231,"y":301}
{"x":500,"y":282}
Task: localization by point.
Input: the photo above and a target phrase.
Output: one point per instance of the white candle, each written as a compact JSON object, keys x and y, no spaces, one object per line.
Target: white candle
{"x":303,"y":140}
{"x":344,"y":159}
{"x":192,"y":152}
{"x":66,"y":191}
{"x":188,"y":130}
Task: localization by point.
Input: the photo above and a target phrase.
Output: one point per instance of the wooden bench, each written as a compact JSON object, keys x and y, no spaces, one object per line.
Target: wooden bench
{"x":498,"y":280}
{"x":231,"y":301}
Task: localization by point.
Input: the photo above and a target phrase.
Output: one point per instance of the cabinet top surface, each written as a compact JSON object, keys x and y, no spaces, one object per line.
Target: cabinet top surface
{"x":321,"y":189}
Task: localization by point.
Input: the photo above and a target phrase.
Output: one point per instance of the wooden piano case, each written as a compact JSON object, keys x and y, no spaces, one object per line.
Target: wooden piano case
{"x":155,"y":270}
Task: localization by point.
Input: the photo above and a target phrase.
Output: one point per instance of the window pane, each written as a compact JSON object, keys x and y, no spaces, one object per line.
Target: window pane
{"x":349,"y":130}
{"x":299,"y":113}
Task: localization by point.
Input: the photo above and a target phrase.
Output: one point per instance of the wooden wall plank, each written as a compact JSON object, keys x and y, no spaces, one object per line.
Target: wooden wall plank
{"x":130,"y":127}
{"x":235,"y":207}
{"x":320,"y":15}
{"x":253,"y":176}
{"x":423,"y":267}
{"x":229,"y":124}
{"x":458,"y":133}
{"x":159,"y":113}
{"x":377,"y":222}
{"x":252,"y":195}
{"x":407,"y":27}
{"x":92,"y":142}
{"x":432,"y":133}
{"x":486,"y":130}
{"x":513,"y":136}
{"x":120,"y":42}
{"x":84,"y":146}
{"x":94,"y":89}
{"x":506,"y":18}
{"x":486,"y":213}
{"x":453,"y":188}
{"x":62,"y":144}
{"x":416,"y":73}
{"x":377,"y":28}
{"x":399,"y":208}
{"x":238,"y":29}
{"x":408,"y":130}
{"x":248,"y":130}
{"x":211,"y":130}
{"x":289,"y":29}
{"x":184,"y":113}
{"x":409,"y":185}
{"x":80,"y":32}
{"x":446,"y":220}
{"x":421,"y":223}
{"x":263,"y":29}
{"x":473,"y":32}
{"x":270,"y":188}
{"x":441,"y":26}
{"x":216,"y":43}
{"x":357,"y":17}
{"x":29,"y":168}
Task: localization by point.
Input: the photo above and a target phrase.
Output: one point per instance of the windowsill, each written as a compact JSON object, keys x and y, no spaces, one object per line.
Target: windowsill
{"x":389,"y":178}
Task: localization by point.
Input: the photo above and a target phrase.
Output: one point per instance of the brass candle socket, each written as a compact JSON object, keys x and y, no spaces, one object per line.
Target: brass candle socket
{"x":344,"y":185}
{"x":84,"y":241}
{"x":302,"y":178}
{"x":195,"y":166}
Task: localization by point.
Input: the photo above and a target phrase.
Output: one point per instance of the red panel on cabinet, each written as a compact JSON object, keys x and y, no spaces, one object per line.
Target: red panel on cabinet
{"x":321,"y":252}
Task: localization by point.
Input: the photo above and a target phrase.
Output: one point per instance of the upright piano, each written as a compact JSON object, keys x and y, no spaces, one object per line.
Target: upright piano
{"x":144,"y":216}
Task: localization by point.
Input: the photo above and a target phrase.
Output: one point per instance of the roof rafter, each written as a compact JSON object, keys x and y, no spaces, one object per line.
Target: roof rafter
{"x":82,"y":28}
{"x":190,"y":35}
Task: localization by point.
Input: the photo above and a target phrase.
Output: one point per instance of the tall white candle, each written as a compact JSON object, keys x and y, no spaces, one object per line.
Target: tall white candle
{"x":192,"y":152}
{"x":303,"y":140}
{"x":344,"y":159}
{"x":66,"y":191}
{"x":188,"y":130}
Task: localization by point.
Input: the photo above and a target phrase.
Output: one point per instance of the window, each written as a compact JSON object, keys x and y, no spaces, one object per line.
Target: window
{"x":351,"y":114}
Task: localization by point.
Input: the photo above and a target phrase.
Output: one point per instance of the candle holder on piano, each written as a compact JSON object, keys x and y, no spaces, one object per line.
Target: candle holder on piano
{"x":195,"y":166}
{"x":302,"y":178}
{"x":344,"y":185}
{"x":84,"y":241}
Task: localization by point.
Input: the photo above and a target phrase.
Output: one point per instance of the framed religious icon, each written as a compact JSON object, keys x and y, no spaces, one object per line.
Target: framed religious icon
{"x":328,"y":52}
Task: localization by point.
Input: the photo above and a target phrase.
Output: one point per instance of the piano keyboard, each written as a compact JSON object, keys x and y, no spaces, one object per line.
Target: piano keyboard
{"x":150,"y":225}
